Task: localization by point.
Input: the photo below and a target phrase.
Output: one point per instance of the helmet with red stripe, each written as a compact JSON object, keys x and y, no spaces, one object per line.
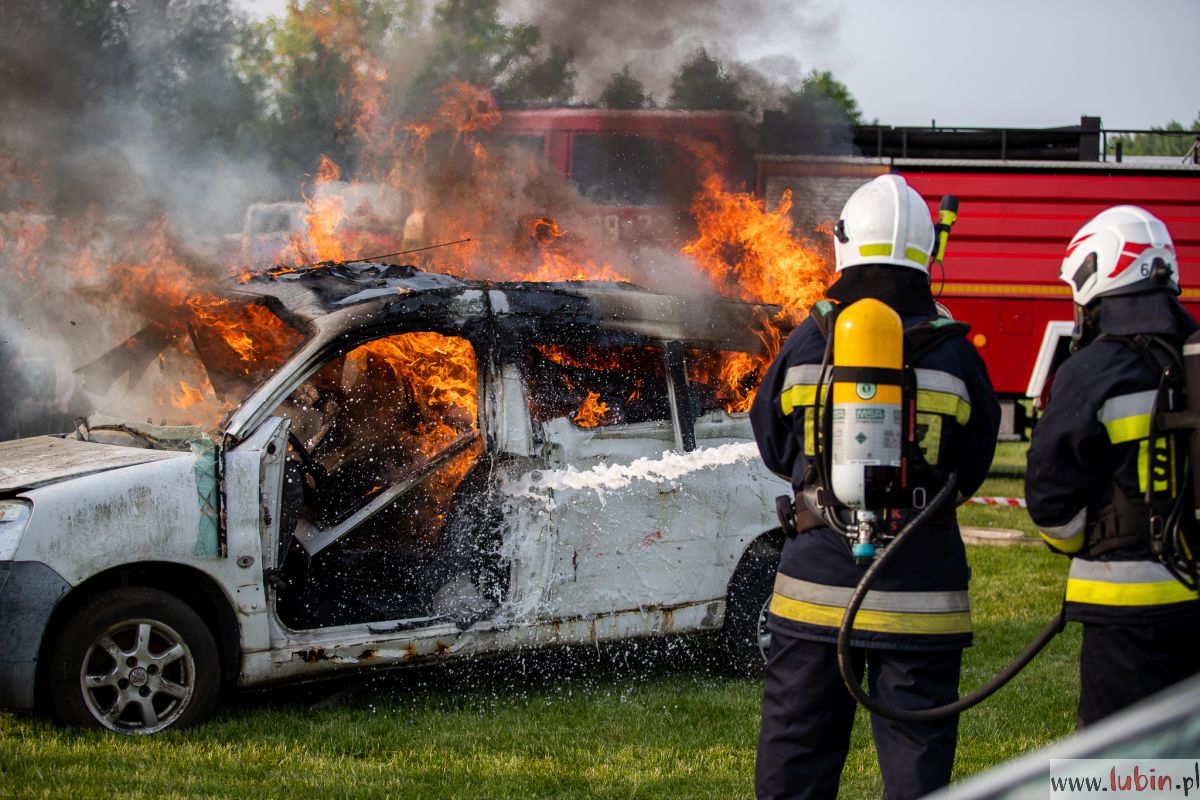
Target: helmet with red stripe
{"x":1122,"y":250}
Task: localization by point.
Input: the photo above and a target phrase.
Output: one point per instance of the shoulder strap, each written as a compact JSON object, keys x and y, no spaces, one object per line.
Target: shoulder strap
{"x":825,"y":314}
{"x":923,"y":337}
{"x":1159,"y":353}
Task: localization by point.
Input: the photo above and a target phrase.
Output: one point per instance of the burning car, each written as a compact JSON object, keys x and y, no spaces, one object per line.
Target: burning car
{"x":416,"y":467}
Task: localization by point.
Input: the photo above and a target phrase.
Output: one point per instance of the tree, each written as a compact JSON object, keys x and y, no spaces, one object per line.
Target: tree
{"x":624,"y":91}
{"x":1165,"y":141}
{"x":472,"y":44}
{"x":703,"y":83}
{"x":325,"y":63}
{"x":160,"y":75}
{"x":822,"y":100}
{"x":550,"y":80}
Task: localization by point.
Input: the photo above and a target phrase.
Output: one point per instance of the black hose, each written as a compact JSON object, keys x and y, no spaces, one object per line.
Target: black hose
{"x":860,"y":594}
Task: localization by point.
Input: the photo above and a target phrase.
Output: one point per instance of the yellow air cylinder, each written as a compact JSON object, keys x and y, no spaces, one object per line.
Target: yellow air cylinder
{"x":867,"y":414}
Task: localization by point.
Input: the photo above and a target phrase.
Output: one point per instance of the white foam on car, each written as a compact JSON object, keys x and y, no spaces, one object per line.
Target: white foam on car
{"x":608,"y":477}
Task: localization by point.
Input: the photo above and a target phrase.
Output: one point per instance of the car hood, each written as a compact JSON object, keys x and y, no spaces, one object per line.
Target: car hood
{"x":40,"y":460}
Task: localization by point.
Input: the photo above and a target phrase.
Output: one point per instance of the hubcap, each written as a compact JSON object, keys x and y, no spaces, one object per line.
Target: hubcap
{"x":138,"y":676}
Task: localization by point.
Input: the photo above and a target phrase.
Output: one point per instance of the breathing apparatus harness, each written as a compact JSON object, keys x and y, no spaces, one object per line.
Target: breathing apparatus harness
{"x":1168,"y":516}
{"x":869,"y":417}
{"x":847,"y":513}
{"x":864,"y":407}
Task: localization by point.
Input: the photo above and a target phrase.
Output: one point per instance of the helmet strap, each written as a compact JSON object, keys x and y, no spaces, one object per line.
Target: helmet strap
{"x":1087,"y":325}
{"x":1160,"y":272}
{"x":839,"y":230}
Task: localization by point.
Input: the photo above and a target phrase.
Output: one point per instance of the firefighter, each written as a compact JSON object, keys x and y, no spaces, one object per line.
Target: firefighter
{"x":1089,"y":467}
{"x":913,"y":627}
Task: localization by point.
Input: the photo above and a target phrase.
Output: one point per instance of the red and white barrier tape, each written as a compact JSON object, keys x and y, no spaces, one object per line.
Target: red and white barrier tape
{"x":1015,"y":502}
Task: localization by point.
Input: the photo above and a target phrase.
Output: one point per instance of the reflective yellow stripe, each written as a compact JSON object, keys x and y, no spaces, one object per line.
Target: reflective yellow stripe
{"x":929,"y":427}
{"x":1069,"y":545}
{"x":1128,"y":429}
{"x":944,"y":403}
{"x":1006,"y":289}
{"x":877,"y":621}
{"x":885,"y":250}
{"x":1142,"y":457}
{"x":797,"y":395}
{"x":800,"y":394}
{"x":1164,"y":468}
{"x":1103,"y":593}
{"x":1164,"y":474}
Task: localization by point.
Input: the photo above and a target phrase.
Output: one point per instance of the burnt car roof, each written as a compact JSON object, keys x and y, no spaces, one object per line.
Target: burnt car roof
{"x":308,"y":293}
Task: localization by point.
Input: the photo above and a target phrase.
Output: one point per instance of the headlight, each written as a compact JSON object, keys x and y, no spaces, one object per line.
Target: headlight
{"x":14,"y":518}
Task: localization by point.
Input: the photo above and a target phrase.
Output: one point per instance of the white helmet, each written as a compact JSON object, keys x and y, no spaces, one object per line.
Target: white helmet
{"x":1122,"y":250}
{"x":884,"y":222}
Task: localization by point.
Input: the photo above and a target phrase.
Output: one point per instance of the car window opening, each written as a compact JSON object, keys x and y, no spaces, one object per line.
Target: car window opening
{"x":723,"y":380}
{"x":597,"y":386}
{"x":392,"y":423}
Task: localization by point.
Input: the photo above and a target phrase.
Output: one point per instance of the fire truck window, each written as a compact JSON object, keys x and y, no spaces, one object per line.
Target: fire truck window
{"x":724,"y":380}
{"x":533,"y":145}
{"x":597,"y":386}
{"x":621,"y":169}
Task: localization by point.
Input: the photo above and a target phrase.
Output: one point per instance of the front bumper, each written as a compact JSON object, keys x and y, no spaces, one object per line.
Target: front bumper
{"x":29,"y":593}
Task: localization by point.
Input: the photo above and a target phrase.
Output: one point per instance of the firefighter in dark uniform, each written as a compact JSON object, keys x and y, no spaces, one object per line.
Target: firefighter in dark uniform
{"x":915,"y":623}
{"x":1091,"y":462}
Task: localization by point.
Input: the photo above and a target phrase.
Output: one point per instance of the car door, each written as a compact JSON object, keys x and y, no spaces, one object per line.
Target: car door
{"x":375,"y":525}
{"x":606,"y":514}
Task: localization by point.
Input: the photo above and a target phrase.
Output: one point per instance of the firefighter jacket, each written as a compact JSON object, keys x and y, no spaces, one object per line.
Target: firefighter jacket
{"x":920,"y":602}
{"x":1087,"y":472}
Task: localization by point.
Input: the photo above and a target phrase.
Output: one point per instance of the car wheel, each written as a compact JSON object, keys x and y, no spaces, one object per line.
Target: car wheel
{"x":134,"y":661}
{"x":745,"y":637}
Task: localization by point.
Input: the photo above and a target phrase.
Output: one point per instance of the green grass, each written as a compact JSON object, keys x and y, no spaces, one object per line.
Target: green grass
{"x":637,"y":721}
{"x":645,"y":721}
{"x":1006,"y":479}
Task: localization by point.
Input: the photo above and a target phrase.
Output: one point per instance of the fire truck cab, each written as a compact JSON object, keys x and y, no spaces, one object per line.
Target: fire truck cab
{"x":638,"y":168}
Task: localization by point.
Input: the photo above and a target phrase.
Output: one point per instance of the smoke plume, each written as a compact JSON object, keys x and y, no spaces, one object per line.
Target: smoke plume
{"x":655,"y":39}
{"x":132,"y":144}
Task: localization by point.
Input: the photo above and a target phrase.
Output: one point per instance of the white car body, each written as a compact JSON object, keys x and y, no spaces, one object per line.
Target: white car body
{"x":619,"y":531}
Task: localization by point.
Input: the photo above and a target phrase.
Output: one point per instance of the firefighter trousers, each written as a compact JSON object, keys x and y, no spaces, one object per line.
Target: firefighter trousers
{"x":1122,"y":664}
{"x":807,"y":716}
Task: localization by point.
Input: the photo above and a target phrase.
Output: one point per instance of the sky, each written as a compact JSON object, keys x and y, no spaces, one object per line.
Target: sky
{"x":1018,"y":63}
{"x":976,"y":63}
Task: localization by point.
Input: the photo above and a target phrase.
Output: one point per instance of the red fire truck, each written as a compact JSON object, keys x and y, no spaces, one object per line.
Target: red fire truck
{"x":638,"y":167}
{"x":1023,"y":193}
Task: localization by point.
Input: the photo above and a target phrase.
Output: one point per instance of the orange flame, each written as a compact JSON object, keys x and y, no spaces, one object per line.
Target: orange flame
{"x":545,"y":230}
{"x":751,"y":253}
{"x":187,"y":397}
{"x":591,"y":412}
{"x":733,"y":376}
{"x":326,"y":211}
{"x":439,"y":372}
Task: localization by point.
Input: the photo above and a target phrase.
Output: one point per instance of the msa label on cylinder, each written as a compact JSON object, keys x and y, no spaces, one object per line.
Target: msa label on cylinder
{"x":867,"y":434}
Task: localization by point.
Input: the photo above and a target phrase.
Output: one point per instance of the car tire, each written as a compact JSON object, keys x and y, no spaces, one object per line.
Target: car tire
{"x":745,"y":637}
{"x":135,"y":661}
